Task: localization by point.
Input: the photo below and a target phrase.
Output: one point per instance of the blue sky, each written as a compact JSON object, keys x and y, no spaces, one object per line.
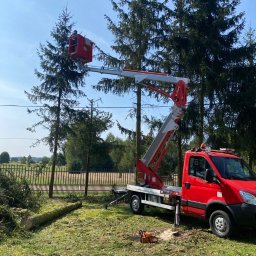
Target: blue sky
{"x":24,"y":24}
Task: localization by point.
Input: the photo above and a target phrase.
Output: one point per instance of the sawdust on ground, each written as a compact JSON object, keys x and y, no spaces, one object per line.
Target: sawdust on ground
{"x":170,"y":234}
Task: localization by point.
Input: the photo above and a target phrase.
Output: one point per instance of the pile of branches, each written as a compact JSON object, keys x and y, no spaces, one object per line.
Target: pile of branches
{"x":15,"y":194}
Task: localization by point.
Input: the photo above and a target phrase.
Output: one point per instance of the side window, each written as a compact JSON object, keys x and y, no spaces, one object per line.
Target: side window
{"x":198,"y":166}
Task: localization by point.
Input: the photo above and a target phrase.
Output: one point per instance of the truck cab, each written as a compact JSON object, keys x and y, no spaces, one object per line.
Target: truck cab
{"x":221,"y":187}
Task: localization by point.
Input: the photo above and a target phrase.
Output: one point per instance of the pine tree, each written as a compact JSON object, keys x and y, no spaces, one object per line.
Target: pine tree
{"x":135,"y":37}
{"x":199,"y":41}
{"x":241,"y":99}
{"x":209,"y":38}
{"x":58,"y":91}
{"x":174,"y":58}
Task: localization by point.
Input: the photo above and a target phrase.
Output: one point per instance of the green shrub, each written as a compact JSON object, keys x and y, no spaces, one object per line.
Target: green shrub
{"x":7,"y":219}
{"x":14,"y":194}
{"x":75,"y":167}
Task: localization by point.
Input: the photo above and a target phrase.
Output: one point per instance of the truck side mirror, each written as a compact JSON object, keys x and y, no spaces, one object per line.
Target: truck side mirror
{"x":210,"y":176}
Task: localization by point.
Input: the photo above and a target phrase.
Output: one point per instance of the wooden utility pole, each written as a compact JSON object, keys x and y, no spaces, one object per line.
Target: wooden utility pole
{"x":87,"y":168}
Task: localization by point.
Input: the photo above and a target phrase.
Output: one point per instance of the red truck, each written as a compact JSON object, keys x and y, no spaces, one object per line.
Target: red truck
{"x":217,"y":185}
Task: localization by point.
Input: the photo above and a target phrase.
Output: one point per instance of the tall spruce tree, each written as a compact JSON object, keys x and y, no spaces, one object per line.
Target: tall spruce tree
{"x":173,"y":54}
{"x":212,"y":31}
{"x":240,"y":100}
{"x":135,"y":37}
{"x":247,"y":113}
{"x":58,"y":91}
{"x":199,"y":42}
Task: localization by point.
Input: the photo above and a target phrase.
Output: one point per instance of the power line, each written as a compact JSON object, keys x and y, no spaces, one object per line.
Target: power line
{"x":107,"y":107}
{"x":18,"y":139}
{"x":18,"y":106}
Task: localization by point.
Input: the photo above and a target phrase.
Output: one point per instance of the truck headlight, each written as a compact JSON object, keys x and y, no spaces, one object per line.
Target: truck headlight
{"x":248,"y":197}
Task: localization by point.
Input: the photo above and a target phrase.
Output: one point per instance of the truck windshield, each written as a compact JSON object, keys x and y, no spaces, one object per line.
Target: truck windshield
{"x":233,"y":168}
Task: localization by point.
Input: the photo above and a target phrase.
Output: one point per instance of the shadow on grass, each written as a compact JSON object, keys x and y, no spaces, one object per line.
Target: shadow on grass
{"x":244,"y":235}
{"x":188,"y":222}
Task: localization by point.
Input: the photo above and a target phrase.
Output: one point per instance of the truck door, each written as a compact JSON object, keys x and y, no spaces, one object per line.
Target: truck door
{"x":196,"y":191}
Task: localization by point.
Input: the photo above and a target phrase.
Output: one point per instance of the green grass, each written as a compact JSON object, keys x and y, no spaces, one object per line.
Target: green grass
{"x":93,"y":230}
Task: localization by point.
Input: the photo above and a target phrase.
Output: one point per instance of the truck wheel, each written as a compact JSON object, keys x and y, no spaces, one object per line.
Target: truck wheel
{"x":135,"y":203}
{"x":221,"y":224}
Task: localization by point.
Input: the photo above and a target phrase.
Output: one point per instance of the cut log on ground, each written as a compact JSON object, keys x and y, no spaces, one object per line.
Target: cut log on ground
{"x":40,"y":219}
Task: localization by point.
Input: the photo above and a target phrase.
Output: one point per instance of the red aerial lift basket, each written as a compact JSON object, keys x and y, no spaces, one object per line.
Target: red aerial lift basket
{"x":80,"y":48}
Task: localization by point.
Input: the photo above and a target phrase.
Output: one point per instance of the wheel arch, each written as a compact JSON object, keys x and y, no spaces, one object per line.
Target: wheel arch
{"x":136,"y":193}
{"x":218,"y":205}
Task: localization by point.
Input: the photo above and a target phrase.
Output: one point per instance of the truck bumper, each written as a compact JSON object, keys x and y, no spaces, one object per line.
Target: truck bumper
{"x":244,"y":214}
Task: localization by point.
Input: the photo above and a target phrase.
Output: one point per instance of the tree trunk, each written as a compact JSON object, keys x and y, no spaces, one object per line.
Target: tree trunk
{"x":201,"y":113}
{"x":55,"y":150}
{"x":180,"y":160}
{"x":40,"y":219}
{"x":89,"y":152}
{"x":87,"y":175}
{"x":250,"y":160}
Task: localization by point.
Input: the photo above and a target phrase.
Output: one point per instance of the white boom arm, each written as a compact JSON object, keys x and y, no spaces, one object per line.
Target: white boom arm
{"x":138,"y":75}
{"x":170,"y":124}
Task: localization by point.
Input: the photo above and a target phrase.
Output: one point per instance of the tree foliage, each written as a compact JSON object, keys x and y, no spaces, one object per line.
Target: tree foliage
{"x":205,"y":35}
{"x":45,"y":160}
{"x":239,"y":100}
{"x":4,"y":158}
{"x":85,"y":139}
{"x":121,"y":152}
{"x":59,"y":90}
{"x":135,"y":35}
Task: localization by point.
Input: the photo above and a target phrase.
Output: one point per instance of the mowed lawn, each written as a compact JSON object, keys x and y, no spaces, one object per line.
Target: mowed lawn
{"x":93,"y":230}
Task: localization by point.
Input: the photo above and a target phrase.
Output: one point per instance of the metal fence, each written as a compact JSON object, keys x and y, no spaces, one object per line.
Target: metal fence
{"x":99,"y":180}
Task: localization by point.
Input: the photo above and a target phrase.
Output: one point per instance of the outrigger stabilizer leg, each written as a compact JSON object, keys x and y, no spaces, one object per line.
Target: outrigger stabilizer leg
{"x":177,"y":213}
{"x":124,"y":194}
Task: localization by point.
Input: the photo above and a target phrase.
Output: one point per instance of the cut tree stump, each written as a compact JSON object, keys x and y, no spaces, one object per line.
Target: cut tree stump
{"x":40,"y":219}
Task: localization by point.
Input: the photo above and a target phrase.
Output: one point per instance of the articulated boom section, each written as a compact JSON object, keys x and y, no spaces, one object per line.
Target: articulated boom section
{"x":147,"y":167}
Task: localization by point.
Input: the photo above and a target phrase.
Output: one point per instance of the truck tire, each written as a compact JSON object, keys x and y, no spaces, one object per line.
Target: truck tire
{"x":135,"y":204}
{"x":221,"y":224}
